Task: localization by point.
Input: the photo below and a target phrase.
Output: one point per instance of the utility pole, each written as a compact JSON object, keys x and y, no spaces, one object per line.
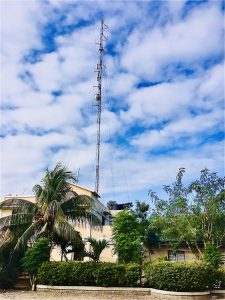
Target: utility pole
{"x":98,"y":98}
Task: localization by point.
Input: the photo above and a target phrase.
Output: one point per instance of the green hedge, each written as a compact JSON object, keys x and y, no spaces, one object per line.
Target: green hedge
{"x":221,"y":278}
{"x":133,"y":275}
{"x":180,"y":277}
{"x":88,"y":273}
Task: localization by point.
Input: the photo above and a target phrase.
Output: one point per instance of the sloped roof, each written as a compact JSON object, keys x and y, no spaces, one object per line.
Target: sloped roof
{"x":10,"y":203}
{"x":84,"y":188}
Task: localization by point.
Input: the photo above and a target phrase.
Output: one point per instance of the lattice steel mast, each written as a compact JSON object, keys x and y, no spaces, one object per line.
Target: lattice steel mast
{"x":98,"y":98}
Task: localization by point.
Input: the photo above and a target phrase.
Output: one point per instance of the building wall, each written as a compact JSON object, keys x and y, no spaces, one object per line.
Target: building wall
{"x":163,"y":252}
{"x":82,"y":191}
{"x":5,"y":212}
{"x":99,"y":233}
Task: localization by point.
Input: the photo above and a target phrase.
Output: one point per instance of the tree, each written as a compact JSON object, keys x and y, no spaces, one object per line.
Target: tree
{"x":111,"y":205}
{"x":96,"y":248}
{"x":56,"y":205}
{"x":35,"y":257}
{"x":127,"y":237}
{"x":212,"y":255}
{"x":148,"y":235}
{"x":10,"y":267}
{"x":194,"y":214}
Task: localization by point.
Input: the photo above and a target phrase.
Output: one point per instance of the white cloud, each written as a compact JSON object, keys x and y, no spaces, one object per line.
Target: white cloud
{"x":147,"y":53}
{"x":212,"y":86}
{"x":19,"y":31}
{"x":183,"y":128}
{"x":159,"y":102}
{"x":45,"y":129}
{"x":140,"y":172}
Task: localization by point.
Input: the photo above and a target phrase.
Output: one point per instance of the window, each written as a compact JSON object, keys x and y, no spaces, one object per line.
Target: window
{"x":176,"y":255}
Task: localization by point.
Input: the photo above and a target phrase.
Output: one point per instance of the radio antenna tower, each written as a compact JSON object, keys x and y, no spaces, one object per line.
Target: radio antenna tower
{"x":98,"y":98}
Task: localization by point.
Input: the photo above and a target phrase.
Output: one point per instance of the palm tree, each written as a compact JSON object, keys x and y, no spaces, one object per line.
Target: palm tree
{"x":53,"y":215}
{"x":97,"y":248}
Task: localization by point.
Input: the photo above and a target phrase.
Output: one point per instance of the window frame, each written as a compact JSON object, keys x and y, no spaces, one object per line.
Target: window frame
{"x":174,"y":255}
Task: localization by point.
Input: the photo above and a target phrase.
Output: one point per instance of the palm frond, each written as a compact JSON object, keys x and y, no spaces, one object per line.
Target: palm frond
{"x":67,"y":232}
{"x":54,"y":212}
{"x":15,"y":220}
{"x":27,"y":234}
{"x":90,"y":254}
{"x":55,"y":186}
{"x":93,"y":220}
{"x":79,"y":208}
{"x":97,"y":247}
{"x":7,"y":241}
{"x":77,"y":201}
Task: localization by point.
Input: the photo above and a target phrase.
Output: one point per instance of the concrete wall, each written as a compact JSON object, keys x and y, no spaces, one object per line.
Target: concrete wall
{"x":163,"y":252}
{"x":5,"y":212}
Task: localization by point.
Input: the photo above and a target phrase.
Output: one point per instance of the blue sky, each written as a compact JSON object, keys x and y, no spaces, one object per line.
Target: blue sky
{"x":163,"y":92}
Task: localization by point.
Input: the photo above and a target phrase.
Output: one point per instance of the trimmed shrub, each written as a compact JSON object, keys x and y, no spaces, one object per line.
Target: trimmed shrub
{"x":220,"y":278}
{"x":180,"y":277}
{"x":133,"y":274}
{"x":67,"y":273}
{"x":88,"y":273}
{"x":222,"y":285}
{"x":110,"y":274}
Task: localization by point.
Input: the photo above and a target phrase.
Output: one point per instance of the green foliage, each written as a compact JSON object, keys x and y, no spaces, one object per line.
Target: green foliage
{"x":180,"y":277}
{"x":8,"y":276}
{"x":110,"y":274}
{"x":161,"y":259}
{"x":48,"y":217}
{"x":10,"y":266}
{"x":36,"y":256}
{"x":97,"y":247}
{"x":133,"y":274}
{"x":127,"y":237}
{"x":212,"y":255}
{"x":88,"y":273}
{"x":111,"y":205}
{"x":67,"y":273}
{"x":194,"y":214}
{"x":221,"y":278}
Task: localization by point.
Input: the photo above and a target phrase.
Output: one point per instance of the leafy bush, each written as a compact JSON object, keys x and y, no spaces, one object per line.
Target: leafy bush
{"x":110,"y":274}
{"x":35,"y":257}
{"x":133,"y":274}
{"x":67,"y":273}
{"x":222,"y":285}
{"x":180,"y":277}
{"x":220,"y":282}
{"x":88,"y":273}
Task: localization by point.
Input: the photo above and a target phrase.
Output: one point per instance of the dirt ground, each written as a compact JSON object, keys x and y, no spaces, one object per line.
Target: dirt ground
{"x":71,"y":295}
